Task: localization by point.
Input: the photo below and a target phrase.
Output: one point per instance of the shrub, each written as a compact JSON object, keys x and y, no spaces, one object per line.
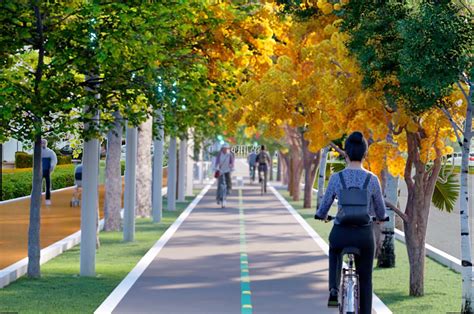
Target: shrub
{"x":18,"y":183}
{"x":64,"y":160}
{"x":23,"y":160}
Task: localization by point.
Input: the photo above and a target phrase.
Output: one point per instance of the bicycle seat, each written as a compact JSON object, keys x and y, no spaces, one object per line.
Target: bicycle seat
{"x":351,"y":250}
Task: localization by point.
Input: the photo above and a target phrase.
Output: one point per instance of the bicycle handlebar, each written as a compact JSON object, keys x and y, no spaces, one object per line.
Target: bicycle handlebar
{"x":329,"y":218}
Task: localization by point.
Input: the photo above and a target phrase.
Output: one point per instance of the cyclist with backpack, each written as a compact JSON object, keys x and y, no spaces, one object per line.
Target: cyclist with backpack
{"x":263,"y":161}
{"x":359,"y":198}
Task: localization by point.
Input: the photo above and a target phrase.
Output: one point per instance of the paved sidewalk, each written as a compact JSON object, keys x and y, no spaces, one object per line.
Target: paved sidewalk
{"x":251,"y":256}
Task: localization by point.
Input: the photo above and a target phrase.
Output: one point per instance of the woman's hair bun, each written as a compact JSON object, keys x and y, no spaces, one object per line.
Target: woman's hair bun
{"x":356,"y":146}
{"x":356,"y":137}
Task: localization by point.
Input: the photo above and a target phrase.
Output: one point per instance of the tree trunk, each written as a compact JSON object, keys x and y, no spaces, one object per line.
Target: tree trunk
{"x":143,"y":201}
{"x":293,"y":136}
{"x":34,"y":248}
{"x":89,"y":206}
{"x":420,"y":193}
{"x":157,"y":197}
{"x":295,"y":175}
{"x":322,"y":175}
{"x":464,"y":210}
{"x":415,"y":241}
{"x":129,"y":211}
{"x":189,"y":190}
{"x":310,"y":162}
{"x":113,"y":178}
{"x":172,"y":168}
{"x":183,"y":152}
{"x":271,"y":165}
{"x":285,"y":162}
{"x":279,"y":165}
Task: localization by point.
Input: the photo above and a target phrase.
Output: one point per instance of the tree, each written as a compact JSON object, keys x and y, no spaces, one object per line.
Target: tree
{"x":38,"y":88}
{"x":413,"y":53}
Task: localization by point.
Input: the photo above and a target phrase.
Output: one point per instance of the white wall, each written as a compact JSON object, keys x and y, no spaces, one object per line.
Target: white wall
{"x":9,"y":149}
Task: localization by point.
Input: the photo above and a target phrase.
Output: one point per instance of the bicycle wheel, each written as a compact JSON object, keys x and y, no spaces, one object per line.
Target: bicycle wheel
{"x":342,"y":293}
{"x":224,"y":192}
{"x":350,"y":294}
{"x":265,"y":182}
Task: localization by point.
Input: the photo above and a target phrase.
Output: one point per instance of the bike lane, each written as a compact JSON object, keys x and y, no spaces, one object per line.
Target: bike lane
{"x":251,"y":257}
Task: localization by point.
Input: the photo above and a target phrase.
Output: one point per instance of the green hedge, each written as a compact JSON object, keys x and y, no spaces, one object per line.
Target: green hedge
{"x":25,"y":160}
{"x":18,"y":184}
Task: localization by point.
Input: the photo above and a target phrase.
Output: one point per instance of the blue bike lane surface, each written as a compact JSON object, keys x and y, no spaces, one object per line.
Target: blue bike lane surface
{"x":251,"y":257}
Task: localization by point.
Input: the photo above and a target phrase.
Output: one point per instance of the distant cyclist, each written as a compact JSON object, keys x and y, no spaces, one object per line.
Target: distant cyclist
{"x":252,"y":160}
{"x":224,"y":165}
{"x":346,"y":234}
{"x":263,"y":161}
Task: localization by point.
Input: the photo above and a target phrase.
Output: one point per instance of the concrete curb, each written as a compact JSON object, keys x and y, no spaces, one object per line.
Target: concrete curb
{"x":436,"y":254}
{"x":18,"y":269}
{"x":378,"y":307}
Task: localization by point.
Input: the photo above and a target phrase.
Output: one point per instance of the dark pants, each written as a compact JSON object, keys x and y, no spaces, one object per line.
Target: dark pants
{"x":228,"y":183}
{"x":262,"y":168}
{"x":47,"y":177}
{"x":363,"y":239}
{"x":252,"y":172}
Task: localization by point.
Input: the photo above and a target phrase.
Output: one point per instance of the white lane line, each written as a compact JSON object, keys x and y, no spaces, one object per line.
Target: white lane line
{"x":121,"y":290}
{"x":378,"y":306}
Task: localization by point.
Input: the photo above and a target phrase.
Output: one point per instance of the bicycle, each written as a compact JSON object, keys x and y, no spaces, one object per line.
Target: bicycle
{"x":349,"y":296}
{"x":221,"y":191}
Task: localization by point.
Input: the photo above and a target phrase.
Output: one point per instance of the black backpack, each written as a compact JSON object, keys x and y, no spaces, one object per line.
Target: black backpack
{"x":261,"y":158}
{"x":354,"y":204}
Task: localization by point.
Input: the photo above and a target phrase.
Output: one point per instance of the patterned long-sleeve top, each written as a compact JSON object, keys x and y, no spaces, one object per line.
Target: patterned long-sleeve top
{"x":354,"y":178}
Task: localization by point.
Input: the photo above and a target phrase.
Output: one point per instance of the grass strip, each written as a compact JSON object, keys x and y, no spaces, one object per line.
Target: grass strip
{"x":442,"y":285}
{"x":61,"y":290}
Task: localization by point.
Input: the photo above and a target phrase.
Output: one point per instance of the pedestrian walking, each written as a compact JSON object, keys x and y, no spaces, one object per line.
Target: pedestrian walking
{"x":49,"y":161}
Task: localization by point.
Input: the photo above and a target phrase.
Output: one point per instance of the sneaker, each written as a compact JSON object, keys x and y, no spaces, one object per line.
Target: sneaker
{"x":333,"y":298}
{"x":224,"y":203}
{"x":48,"y":202}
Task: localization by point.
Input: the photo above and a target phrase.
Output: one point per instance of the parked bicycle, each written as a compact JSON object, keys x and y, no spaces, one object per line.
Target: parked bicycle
{"x":349,"y":296}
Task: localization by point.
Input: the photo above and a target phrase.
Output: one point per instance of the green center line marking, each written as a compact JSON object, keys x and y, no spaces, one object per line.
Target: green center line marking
{"x":246,"y":294}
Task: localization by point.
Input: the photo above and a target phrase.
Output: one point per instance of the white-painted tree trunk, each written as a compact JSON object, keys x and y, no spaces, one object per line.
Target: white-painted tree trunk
{"x":322,"y":175}
{"x":143,"y":201}
{"x":201,"y":168}
{"x":130,"y":185}
{"x":113,"y":178}
{"x":157,"y":198}
{"x":90,"y":181}
{"x":464,"y":210}
{"x":183,"y":149}
{"x":171,"y":198}
{"x":190,"y":166}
